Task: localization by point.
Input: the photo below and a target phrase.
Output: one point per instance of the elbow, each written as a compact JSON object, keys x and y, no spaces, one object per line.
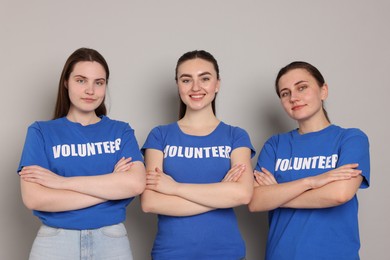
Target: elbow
{"x":147,"y":203}
{"x":30,"y":203}
{"x":343,"y":197}
{"x":139,"y":188}
{"x":245,"y":196}
{"x":252,"y":208}
{"x":147,"y":207}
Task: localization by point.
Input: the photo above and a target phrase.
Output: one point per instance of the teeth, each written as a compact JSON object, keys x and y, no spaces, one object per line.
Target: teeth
{"x":197,"y":96}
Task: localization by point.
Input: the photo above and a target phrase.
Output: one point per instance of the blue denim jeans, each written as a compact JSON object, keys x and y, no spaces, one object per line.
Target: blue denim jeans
{"x":106,"y":243}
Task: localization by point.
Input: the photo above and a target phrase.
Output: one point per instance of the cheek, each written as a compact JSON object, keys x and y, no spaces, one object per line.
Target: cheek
{"x":101,"y":92}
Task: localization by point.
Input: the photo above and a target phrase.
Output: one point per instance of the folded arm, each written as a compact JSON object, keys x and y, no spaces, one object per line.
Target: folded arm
{"x":159,"y":203}
{"x":331,"y":188}
{"x":38,"y":197}
{"x":112,"y":186}
{"x":330,"y":195}
{"x":224,"y":194}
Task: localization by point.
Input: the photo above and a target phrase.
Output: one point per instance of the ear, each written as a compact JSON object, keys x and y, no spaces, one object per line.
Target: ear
{"x":218,"y":86}
{"x":66,"y":84}
{"x":324,"y":92}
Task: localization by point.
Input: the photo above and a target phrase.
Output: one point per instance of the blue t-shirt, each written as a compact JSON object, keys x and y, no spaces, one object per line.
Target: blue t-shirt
{"x":70,"y":149}
{"x":326,"y":233}
{"x":198,"y":159}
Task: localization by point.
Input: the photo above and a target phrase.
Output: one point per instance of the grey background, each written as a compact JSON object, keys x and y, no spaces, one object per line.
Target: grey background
{"x":347,"y":40}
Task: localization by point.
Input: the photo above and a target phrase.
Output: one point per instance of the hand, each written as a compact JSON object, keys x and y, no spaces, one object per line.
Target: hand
{"x":344,"y":172}
{"x":123,"y":165}
{"x":42,"y":176}
{"x":264,"y":177}
{"x":158,"y":181}
{"x":234,"y":173}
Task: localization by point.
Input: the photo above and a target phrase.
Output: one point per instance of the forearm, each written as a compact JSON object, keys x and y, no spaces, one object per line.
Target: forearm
{"x":158,"y":203}
{"x":216,"y":195}
{"x":330,"y":195}
{"x":38,"y":197}
{"x":269,"y":197}
{"x":113,"y":186}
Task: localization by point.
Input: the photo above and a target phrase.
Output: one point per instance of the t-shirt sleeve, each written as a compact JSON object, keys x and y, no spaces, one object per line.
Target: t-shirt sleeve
{"x":34,"y":149}
{"x":242,"y":139}
{"x":130,"y":147}
{"x":355,"y":149}
{"x":267,"y":156}
{"x":153,"y":141}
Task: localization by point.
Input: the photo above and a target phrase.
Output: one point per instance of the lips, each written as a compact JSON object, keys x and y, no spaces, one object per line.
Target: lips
{"x":294,"y":108}
{"x":88,"y":100}
{"x":197,"y":96}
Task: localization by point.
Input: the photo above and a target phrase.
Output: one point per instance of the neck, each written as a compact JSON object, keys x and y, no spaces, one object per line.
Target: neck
{"x":83,"y":119}
{"x":309,"y":127}
{"x":198,"y":122}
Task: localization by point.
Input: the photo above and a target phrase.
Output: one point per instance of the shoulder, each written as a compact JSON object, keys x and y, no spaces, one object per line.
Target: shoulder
{"x":163,"y":129}
{"x":49,"y":124}
{"x":234,"y":130}
{"x":347,"y":133}
{"x":113,"y":122}
{"x":281,"y":137}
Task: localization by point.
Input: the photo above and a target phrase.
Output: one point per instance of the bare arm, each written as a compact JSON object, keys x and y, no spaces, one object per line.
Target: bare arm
{"x":330,"y":195}
{"x":273,"y":195}
{"x":112,"y":186}
{"x":269,"y":194}
{"x":159,"y":203}
{"x":214,"y":195}
{"x":38,"y":197}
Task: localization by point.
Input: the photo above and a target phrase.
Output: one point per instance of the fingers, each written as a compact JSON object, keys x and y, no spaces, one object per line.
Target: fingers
{"x":234,"y":173}
{"x":124,"y":164}
{"x":264,"y":177}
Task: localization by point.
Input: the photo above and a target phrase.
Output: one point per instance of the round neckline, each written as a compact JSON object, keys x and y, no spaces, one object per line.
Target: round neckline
{"x":209,"y":134}
{"x":310,"y":135}
{"x":102,"y":120}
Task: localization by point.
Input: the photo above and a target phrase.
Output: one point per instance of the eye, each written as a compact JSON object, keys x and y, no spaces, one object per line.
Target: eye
{"x":284,"y":94}
{"x":100,"y":83}
{"x":185,"y":80}
{"x":81,"y":81}
{"x":301,"y":88}
{"x":205,"y":79}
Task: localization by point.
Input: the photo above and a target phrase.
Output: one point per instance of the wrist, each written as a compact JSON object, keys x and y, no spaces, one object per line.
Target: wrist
{"x":307,"y":183}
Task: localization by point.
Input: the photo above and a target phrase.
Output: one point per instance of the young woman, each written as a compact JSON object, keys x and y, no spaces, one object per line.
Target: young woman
{"x":75,"y":170}
{"x":198,"y":169}
{"x":309,"y":177}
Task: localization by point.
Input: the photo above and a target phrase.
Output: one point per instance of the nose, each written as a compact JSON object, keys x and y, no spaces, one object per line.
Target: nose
{"x":294,"y":97}
{"x":89,"y":89}
{"x":195,"y":85}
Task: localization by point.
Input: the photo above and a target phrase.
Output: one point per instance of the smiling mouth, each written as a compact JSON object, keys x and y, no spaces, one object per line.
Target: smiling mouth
{"x":197,"y":96}
{"x":297,"y":107}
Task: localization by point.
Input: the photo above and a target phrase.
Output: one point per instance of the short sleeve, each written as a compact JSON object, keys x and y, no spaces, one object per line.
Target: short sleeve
{"x":130,"y":147}
{"x":242,"y":139}
{"x":267,"y":156}
{"x":34,"y":149}
{"x":153,"y":141}
{"x":355,"y":149}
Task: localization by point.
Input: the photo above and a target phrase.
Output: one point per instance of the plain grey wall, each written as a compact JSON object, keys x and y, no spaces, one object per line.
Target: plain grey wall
{"x":347,"y":40}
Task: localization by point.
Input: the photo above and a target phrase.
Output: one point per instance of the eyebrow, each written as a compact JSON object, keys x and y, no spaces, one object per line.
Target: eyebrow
{"x":190,"y":76}
{"x":84,"y":77}
{"x":295,"y":84}
{"x":301,"y":81}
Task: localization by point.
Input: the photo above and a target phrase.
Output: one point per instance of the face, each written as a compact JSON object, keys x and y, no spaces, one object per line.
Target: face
{"x":301,"y":96}
{"x":86,"y":87}
{"x":198,"y":83}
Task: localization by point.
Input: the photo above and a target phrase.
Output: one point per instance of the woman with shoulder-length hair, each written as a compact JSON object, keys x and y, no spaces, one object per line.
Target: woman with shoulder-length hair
{"x":80,"y":170}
